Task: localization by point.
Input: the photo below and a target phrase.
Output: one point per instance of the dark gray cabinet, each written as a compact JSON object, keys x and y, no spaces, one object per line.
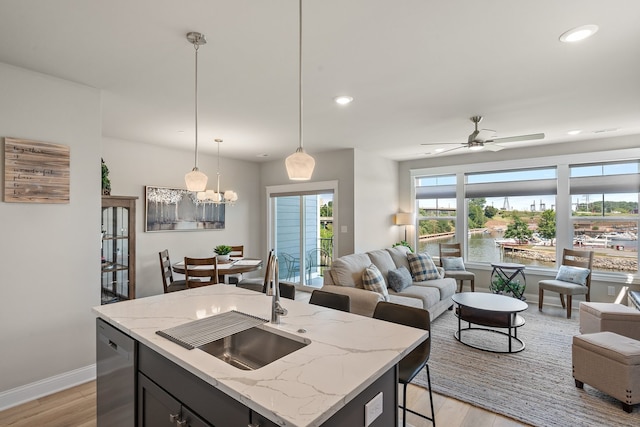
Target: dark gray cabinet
{"x":158,"y":408}
{"x":169,"y":395}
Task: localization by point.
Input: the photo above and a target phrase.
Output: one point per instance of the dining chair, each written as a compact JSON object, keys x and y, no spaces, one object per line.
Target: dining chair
{"x":258,"y":284}
{"x":197,"y":274}
{"x":413,"y":362}
{"x":331,"y":300}
{"x":236,"y":252}
{"x":573,"y":278}
{"x":451,"y":261}
{"x":168,"y":283}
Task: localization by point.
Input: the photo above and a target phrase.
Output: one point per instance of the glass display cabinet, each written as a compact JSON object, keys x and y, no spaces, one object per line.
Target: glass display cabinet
{"x":118,"y":264}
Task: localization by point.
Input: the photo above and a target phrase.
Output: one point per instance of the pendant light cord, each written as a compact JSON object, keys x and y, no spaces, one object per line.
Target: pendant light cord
{"x":300,"y":77}
{"x":196,"y":46}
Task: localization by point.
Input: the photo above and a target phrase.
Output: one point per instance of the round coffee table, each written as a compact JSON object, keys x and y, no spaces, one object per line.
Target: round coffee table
{"x":492,"y":311}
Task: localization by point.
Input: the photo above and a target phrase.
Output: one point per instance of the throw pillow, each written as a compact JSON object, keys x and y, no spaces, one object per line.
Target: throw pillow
{"x":422,"y":267}
{"x":372,"y":280}
{"x":577,"y":275}
{"x":399,"y":279}
{"x":453,"y":264}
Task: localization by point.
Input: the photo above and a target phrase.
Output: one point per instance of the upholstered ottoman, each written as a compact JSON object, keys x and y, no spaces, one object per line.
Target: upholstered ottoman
{"x":610,"y":363}
{"x":602,"y":316}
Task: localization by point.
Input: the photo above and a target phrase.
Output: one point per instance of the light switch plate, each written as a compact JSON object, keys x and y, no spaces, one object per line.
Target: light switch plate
{"x":373,"y":409}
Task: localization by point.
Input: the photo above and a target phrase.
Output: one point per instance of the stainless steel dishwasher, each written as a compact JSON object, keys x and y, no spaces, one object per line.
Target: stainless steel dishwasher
{"x":116,"y":377}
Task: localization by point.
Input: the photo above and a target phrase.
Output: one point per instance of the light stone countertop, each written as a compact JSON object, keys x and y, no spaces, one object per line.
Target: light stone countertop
{"x":347,"y":353}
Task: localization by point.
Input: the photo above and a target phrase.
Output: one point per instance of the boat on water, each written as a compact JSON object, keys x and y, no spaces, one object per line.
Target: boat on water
{"x":500,"y":242}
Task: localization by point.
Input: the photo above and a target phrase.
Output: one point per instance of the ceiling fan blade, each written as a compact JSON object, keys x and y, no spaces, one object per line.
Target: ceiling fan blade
{"x":484,"y":134}
{"x":518,"y":138}
{"x":451,"y":149}
{"x":438,"y":143}
{"x":494,"y":147}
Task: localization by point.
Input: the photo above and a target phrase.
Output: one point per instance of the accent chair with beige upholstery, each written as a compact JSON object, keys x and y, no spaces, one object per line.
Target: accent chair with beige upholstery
{"x":451,"y":261}
{"x":573,"y":278}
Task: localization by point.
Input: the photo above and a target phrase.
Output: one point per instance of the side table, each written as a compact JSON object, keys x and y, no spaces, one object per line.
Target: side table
{"x":504,"y":279}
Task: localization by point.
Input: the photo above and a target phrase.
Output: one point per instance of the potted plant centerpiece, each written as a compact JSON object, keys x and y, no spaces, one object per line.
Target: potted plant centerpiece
{"x":222,"y":252}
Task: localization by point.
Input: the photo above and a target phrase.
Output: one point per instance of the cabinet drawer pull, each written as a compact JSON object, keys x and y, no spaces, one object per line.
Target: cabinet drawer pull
{"x":173,"y":418}
{"x":181,"y":423}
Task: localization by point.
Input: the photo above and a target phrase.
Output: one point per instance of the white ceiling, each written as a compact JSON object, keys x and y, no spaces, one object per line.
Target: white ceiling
{"x":418,"y":69}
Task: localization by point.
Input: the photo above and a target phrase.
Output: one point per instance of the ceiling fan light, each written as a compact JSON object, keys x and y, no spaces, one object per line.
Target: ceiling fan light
{"x":300,"y":165}
{"x":195,"y":180}
{"x":579,"y":33}
{"x":476,"y":147}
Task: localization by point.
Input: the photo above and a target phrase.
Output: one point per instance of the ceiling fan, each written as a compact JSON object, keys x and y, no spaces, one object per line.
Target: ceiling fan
{"x":485,"y":138}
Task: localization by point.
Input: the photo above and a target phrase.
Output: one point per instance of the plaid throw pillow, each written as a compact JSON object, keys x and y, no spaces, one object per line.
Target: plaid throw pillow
{"x":372,"y":280}
{"x":422,"y":267}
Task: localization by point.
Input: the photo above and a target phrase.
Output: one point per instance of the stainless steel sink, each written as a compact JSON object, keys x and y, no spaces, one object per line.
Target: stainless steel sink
{"x":255,"y":347}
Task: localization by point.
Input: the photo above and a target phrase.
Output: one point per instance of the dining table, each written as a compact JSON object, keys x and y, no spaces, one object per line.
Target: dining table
{"x":233,"y":266}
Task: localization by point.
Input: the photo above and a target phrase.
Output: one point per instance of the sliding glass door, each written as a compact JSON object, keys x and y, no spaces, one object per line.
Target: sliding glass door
{"x":302,"y":234}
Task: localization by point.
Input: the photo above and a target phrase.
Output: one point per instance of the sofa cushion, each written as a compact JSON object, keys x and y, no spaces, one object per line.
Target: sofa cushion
{"x":347,"y":270}
{"x":577,"y":275}
{"x":372,"y":280}
{"x":382,"y":259}
{"x":446,"y":286}
{"x":422,"y":267}
{"x":399,"y":279}
{"x":399,"y":256}
{"x":428,"y":295}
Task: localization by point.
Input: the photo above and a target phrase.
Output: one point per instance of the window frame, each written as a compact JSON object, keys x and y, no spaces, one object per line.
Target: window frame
{"x":564,"y":217}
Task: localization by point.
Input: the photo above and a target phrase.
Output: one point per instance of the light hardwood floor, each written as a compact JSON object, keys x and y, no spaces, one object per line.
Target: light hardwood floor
{"x":76,"y":407}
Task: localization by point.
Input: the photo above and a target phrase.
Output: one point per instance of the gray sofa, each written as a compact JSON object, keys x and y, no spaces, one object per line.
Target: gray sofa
{"x":345,"y":277}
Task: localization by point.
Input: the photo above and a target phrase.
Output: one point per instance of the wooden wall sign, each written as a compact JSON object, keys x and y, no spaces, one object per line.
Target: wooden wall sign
{"x":35,"y":172}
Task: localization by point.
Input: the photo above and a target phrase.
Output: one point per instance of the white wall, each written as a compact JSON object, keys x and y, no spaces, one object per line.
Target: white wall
{"x":50,"y":253}
{"x":375,"y":202}
{"x":332,"y":165}
{"x":134,"y":165}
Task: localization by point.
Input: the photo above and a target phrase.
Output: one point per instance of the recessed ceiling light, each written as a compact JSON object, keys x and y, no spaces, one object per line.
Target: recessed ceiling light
{"x":343,"y":100}
{"x":578,"y":33}
{"x":262,"y":155}
{"x":439,"y":150}
{"x":180,"y":131}
{"x":574,"y":132}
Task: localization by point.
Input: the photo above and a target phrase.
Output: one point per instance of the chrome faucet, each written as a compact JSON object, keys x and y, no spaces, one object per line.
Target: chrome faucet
{"x":277,"y":309}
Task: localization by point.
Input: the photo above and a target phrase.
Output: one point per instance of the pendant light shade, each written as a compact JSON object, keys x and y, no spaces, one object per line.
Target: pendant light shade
{"x":300,"y":165}
{"x":196,"y":180}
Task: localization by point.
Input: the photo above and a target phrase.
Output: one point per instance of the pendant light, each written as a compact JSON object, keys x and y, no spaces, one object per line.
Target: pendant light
{"x":300,"y":165}
{"x":228,"y":197}
{"x":196,"y":180}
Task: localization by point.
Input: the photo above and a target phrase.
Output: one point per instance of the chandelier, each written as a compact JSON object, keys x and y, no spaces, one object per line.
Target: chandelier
{"x":228,"y":197}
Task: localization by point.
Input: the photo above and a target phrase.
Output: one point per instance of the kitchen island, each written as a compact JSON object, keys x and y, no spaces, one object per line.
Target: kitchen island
{"x":348,"y":354}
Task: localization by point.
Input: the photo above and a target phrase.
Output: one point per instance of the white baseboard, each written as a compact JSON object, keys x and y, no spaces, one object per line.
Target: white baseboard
{"x":29,"y":392}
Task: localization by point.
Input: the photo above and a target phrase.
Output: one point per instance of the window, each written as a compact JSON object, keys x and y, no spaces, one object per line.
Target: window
{"x":505,"y":209}
{"x":510,"y":215}
{"x":604,"y":213}
{"x":437,"y":208}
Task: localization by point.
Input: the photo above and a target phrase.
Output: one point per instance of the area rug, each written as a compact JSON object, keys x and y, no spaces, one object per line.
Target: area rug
{"x":534,"y":386}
